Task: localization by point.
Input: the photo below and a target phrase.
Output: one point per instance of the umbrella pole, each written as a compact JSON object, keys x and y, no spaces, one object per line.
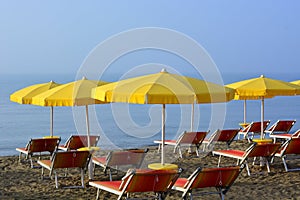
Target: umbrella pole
{"x":192,"y":117}
{"x":51,"y":121}
{"x":90,"y":168}
{"x":163,"y":135}
{"x":245,"y":111}
{"x":87,"y":125}
{"x":262,"y":117}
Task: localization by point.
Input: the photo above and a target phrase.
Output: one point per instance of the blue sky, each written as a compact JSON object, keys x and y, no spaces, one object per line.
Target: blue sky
{"x":257,"y":37}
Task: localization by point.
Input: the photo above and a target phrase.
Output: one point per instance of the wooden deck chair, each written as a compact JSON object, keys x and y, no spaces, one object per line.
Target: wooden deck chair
{"x":158,"y":182}
{"x":286,"y":136}
{"x":280,"y":127}
{"x":189,"y":139}
{"x":225,"y":135}
{"x":38,"y":146}
{"x":66,"y":160}
{"x":220,"y":178}
{"x":289,"y":147}
{"x":253,"y":128}
{"x":265,"y":151}
{"x":78,"y":141}
{"x":120,"y":159}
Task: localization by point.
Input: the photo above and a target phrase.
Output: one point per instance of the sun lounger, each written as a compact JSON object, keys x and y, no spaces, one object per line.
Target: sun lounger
{"x":280,"y":127}
{"x":38,"y":146}
{"x":158,"y":182}
{"x":225,"y":136}
{"x":189,"y":139}
{"x":120,"y":159}
{"x":285,"y":136}
{"x":265,"y":151}
{"x":289,"y":147}
{"x":220,"y":178}
{"x":66,"y":160}
{"x":78,"y":141}
{"x":253,"y":128}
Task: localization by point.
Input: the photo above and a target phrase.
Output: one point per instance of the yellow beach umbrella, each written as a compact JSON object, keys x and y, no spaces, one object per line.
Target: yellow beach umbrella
{"x":162,"y":88}
{"x":75,"y":93}
{"x":25,"y":95}
{"x":261,"y":88}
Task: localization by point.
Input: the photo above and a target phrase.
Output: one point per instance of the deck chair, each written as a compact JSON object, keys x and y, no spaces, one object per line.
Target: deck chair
{"x":120,"y":159}
{"x":185,"y":139}
{"x":253,"y":128}
{"x":289,"y":147}
{"x":220,"y":178}
{"x":158,"y":182}
{"x":66,"y":160}
{"x":286,"y":136}
{"x":265,"y":151}
{"x":78,"y":141}
{"x":225,"y":136}
{"x":280,"y":127}
{"x":38,"y":146}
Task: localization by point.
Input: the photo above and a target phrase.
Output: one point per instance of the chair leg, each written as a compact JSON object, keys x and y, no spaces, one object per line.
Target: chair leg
{"x":197,"y":151}
{"x":159,"y":147}
{"x":42,"y":176}
{"x":56,"y":181}
{"x":285,"y":164}
{"x":98,"y":194}
{"x":219,"y":161}
{"x":247,"y":167}
{"x":109,"y":173}
{"x":82,"y":177}
{"x":268,"y":165}
{"x":179,"y":151}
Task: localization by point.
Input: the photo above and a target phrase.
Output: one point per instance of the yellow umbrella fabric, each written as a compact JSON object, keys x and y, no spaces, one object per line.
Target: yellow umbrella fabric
{"x":25,"y":95}
{"x":163,"y":88}
{"x":296,"y":82}
{"x":75,"y":93}
{"x":261,"y":88}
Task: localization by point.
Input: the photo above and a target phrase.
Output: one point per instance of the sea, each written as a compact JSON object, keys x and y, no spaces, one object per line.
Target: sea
{"x":123,"y":125}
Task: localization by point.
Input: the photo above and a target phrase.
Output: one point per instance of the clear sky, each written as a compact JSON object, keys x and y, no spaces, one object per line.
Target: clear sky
{"x":55,"y":36}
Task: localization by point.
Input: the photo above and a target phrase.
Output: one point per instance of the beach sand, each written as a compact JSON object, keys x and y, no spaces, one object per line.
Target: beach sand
{"x":19,"y":181}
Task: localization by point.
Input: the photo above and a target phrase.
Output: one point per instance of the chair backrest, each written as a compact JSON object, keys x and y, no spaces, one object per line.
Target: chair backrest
{"x":291,"y":146}
{"x":146,"y":180}
{"x":133,"y":158}
{"x":192,"y":137}
{"x":43,"y":145}
{"x":281,"y":126}
{"x":262,"y":150}
{"x":255,"y":127}
{"x":78,"y":141}
{"x":220,"y":177}
{"x":70,"y":159}
{"x":228,"y":135}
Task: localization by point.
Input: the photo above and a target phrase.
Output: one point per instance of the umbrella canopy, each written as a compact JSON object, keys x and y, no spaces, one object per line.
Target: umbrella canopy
{"x":25,"y":95}
{"x":296,"y":82}
{"x":261,"y":88}
{"x":163,"y":88}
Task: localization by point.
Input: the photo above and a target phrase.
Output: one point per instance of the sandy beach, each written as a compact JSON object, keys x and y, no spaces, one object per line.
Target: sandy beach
{"x":19,"y":181}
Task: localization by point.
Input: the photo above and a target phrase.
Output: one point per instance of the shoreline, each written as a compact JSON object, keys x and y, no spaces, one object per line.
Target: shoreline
{"x":19,"y":181}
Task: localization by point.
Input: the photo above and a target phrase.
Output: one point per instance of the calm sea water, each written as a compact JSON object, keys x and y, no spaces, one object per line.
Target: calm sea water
{"x":124,"y":125}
